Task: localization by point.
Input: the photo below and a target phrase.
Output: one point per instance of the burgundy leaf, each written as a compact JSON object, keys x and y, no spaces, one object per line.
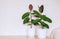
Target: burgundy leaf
{"x":30,"y":7}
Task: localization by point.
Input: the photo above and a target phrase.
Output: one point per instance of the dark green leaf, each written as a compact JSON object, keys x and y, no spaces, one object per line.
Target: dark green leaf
{"x":26,"y":20}
{"x":25,"y":15}
{"x":36,"y":16}
{"x":42,"y":16}
{"x":36,"y":13}
{"x":44,"y":24}
{"x":46,"y":19}
{"x":35,"y":22}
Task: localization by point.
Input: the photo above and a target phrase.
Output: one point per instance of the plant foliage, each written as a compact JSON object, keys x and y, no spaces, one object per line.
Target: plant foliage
{"x":26,"y":20}
{"x":39,"y":16}
{"x":25,"y":15}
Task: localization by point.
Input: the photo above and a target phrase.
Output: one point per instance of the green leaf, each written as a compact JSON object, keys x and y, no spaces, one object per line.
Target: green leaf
{"x":43,"y":17}
{"x":46,"y":18}
{"x":26,"y":20}
{"x":36,"y":13}
{"x":44,"y":24}
{"x":35,"y":22}
{"x":25,"y":15}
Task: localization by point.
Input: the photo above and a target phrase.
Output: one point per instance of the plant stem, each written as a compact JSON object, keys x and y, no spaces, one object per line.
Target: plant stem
{"x":31,"y":18}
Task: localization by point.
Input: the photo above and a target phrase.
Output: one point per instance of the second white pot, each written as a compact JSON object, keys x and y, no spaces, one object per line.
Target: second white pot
{"x":41,"y":33}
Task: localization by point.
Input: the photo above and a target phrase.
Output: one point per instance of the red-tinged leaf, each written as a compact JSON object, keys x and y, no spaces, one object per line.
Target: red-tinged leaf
{"x":30,"y":7}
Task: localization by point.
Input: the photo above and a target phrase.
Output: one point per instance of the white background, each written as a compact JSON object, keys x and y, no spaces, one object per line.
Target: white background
{"x":12,"y":10}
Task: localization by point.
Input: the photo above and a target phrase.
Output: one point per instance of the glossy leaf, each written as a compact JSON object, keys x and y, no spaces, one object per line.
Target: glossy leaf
{"x":46,"y":19}
{"x":43,"y":17}
{"x":26,"y":20}
{"x":35,"y":22}
{"x":25,"y":15}
{"x":44,"y":24}
{"x":36,"y":13}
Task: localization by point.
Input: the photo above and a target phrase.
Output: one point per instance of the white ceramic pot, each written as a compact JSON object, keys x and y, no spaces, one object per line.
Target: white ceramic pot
{"x":41,"y":33}
{"x":31,"y":32}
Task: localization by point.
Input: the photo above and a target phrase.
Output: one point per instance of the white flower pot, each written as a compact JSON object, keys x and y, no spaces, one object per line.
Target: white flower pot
{"x":31,"y":32}
{"x":41,"y":33}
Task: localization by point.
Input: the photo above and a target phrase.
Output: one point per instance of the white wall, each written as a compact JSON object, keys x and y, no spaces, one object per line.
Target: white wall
{"x":12,"y":10}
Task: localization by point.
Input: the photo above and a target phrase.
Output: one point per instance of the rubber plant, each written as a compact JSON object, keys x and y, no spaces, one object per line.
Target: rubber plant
{"x":41,"y":19}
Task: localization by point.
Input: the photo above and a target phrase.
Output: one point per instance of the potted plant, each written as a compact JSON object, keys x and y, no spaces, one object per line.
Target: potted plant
{"x":27,"y":19}
{"x":36,"y":18}
{"x":41,"y":21}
